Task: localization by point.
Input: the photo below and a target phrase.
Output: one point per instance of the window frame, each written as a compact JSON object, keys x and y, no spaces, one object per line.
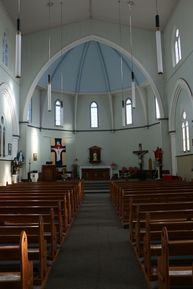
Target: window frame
{"x":60,"y":113}
{"x":91,"y":114}
{"x":127,"y":105}
{"x":185,"y":133}
{"x":5,"y":50}
{"x":177,"y":48}
{"x":157,"y":109}
{"x":29,"y":112}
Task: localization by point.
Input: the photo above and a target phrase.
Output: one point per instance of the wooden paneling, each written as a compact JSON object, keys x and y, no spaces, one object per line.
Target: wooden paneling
{"x":96,"y":174}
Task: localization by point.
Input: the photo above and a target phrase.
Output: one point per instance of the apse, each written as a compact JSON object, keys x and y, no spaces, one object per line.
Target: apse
{"x":92,"y":67}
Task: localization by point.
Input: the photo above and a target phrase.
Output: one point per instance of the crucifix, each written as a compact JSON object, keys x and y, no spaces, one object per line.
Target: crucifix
{"x":140,"y":153}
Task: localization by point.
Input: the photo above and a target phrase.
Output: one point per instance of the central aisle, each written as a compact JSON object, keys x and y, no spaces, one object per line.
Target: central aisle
{"x":96,"y":254}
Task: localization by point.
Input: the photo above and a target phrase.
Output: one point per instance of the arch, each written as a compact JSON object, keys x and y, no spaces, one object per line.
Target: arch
{"x":6,"y":92}
{"x":81,"y":41}
{"x":181,"y":84}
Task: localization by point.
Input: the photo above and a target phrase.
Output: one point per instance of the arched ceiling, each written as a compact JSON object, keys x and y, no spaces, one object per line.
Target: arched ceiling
{"x":92,"y":67}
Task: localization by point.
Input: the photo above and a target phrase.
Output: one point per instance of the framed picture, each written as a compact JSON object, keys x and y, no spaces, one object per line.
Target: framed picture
{"x":9,"y":149}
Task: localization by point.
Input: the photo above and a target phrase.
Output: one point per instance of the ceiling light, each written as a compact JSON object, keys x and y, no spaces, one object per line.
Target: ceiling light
{"x":130,"y":4}
{"x":49,"y":88}
{"x":158,"y":43}
{"x":18,"y":46}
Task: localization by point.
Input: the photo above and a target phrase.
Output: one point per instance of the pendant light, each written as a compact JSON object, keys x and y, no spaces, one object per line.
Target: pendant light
{"x":49,"y":88}
{"x":121,"y":68}
{"x":123,"y":98}
{"x":158,"y":42}
{"x":130,"y":4}
{"x":18,"y":46}
{"x":49,"y":93}
{"x":61,"y":44}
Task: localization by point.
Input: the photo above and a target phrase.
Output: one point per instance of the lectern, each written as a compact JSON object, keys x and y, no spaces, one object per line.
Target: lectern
{"x":48,"y":173}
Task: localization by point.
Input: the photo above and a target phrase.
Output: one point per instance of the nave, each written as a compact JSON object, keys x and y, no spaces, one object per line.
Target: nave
{"x":97,"y":253}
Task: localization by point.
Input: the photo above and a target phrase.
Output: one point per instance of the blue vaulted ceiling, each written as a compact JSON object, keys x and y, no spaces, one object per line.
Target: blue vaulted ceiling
{"x":92,"y":67}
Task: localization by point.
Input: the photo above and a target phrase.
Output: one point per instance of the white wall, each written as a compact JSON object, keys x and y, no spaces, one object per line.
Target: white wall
{"x":9,"y":96}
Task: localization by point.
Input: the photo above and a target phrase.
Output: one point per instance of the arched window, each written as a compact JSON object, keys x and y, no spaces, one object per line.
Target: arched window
{"x":128,"y":111}
{"x":58,"y":112}
{"x":94,"y":115}
{"x":5,"y":56}
{"x":29,"y":112}
{"x":157,"y":110}
{"x":177,"y":47}
{"x":2,"y":137}
{"x":185,"y":133}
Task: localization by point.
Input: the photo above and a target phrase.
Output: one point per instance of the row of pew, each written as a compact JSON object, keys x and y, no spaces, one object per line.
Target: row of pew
{"x":159,"y":216}
{"x":35,"y":219}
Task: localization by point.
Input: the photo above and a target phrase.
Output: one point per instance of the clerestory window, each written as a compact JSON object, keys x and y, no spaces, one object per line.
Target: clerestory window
{"x":94,"y":123}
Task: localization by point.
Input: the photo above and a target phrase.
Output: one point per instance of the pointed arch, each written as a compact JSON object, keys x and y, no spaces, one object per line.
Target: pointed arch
{"x":6,"y":92}
{"x":81,"y":41}
{"x":180,"y":85}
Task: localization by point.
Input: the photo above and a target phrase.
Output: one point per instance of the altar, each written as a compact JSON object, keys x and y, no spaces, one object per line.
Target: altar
{"x":95,"y":172}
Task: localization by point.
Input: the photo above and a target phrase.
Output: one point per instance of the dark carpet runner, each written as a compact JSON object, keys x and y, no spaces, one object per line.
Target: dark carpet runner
{"x":96,"y":254}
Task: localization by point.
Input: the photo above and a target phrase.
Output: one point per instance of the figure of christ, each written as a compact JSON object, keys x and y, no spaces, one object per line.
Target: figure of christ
{"x":58,"y":148}
{"x":140,"y":153}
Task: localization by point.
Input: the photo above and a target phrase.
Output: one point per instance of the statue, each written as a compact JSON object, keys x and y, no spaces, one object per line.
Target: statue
{"x":158,"y":153}
{"x":94,"y":156}
{"x":20,"y":157}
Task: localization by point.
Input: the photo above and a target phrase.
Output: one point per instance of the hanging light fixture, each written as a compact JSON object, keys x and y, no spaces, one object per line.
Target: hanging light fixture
{"x":61,"y":43}
{"x":158,"y":42}
{"x":18,"y":46}
{"x":123,"y":98}
{"x":49,"y":93}
{"x":49,"y":88}
{"x":130,"y":4}
{"x":121,"y":68}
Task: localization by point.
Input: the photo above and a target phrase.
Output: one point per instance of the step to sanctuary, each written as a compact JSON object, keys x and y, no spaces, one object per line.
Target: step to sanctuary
{"x":97,"y":186}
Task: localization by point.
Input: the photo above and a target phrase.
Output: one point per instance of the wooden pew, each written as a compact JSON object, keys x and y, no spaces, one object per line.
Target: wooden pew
{"x":178,"y":215}
{"x":29,"y":208}
{"x":22,"y":279}
{"x":161,"y":211}
{"x":174,"y":273}
{"x":34,"y":196}
{"x":122,"y":191}
{"x":37,"y":247}
{"x":33,"y":219}
{"x":74,"y":187}
{"x":64,"y":198}
{"x":152,"y":241}
{"x":129,"y":200}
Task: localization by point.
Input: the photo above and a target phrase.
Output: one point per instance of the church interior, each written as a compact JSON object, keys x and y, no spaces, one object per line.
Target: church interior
{"x":91,"y":57}
{"x":97,"y":91}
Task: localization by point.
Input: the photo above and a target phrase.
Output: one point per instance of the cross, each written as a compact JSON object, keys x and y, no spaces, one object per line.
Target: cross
{"x":140,"y":153}
{"x":58,"y":148}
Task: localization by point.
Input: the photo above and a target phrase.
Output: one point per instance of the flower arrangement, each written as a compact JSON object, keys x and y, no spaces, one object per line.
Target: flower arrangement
{"x":15,"y":166}
{"x":133,"y":171}
{"x":130,"y":172}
